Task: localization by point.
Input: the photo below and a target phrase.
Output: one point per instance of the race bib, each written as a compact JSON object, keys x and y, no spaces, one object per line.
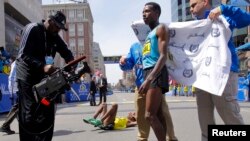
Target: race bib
{"x":146,"y":48}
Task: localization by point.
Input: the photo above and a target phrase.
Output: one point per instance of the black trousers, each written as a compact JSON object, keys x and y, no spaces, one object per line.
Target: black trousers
{"x":103,"y":94}
{"x":36,"y":121}
{"x":11,"y":116}
{"x":92,"y":99}
{"x":12,"y":113}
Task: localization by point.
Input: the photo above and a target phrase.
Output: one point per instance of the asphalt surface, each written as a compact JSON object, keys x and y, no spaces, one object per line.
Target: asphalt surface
{"x":70,"y":127}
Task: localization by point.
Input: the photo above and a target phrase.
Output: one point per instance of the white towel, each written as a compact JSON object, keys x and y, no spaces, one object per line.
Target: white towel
{"x":198,"y":53}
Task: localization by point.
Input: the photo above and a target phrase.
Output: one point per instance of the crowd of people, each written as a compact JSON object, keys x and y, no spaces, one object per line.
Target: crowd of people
{"x":5,"y":61}
{"x":12,"y":86}
{"x":35,"y":61}
{"x":8,"y":67}
{"x":177,"y":89}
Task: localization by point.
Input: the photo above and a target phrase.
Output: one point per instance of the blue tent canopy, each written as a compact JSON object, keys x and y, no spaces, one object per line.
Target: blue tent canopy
{"x":245,"y":47}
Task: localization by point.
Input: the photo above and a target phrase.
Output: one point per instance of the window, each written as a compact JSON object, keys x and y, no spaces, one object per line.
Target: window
{"x":84,"y":13}
{"x":188,"y":11}
{"x":80,"y":42}
{"x":80,"y":29}
{"x":71,"y":30}
{"x":179,"y":12}
{"x":71,"y":14}
{"x":72,"y":43}
{"x":179,"y":2}
{"x":51,"y":12}
{"x":80,"y":15}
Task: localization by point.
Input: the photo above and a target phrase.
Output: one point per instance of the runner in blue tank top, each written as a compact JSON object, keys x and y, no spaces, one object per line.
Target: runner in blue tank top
{"x":155,"y":73}
{"x":150,"y":50}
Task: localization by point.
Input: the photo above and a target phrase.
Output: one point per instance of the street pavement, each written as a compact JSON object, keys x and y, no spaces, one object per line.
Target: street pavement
{"x":70,"y":127}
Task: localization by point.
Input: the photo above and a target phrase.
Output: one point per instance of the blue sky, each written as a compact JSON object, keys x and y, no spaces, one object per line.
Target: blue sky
{"x":112,"y":20}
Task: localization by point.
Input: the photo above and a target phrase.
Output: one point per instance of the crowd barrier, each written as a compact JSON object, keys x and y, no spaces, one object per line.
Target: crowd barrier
{"x":241,"y":89}
{"x":82,"y":90}
{"x":5,"y":101}
{"x":240,"y":95}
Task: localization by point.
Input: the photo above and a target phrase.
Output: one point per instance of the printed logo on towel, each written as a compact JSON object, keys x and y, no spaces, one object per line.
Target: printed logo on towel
{"x":215,"y":32}
{"x":136,"y":31}
{"x":196,"y":52}
{"x":172,"y":33}
{"x":208,"y":61}
{"x":188,"y":73}
{"x":194,"y":48}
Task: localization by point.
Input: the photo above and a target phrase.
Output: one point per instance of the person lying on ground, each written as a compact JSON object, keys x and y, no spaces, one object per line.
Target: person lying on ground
{"x":108,"y":119}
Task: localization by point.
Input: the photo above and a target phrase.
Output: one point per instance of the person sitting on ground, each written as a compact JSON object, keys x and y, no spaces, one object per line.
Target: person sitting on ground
{"x":108,"y":119}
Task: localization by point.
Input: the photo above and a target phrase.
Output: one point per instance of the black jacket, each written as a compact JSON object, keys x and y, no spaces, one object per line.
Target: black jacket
{"x":104,"y":84}
{"x":35,"y":44}
{"x":93,"y":87}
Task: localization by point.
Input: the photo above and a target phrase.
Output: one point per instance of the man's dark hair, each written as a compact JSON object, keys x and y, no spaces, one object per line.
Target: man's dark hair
{"x":156,"y":7}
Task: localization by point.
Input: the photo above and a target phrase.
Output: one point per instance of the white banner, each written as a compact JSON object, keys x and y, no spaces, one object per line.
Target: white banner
{"x":198,"y":53}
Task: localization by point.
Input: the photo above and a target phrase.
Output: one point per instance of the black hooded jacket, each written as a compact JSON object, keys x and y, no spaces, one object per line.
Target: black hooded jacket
{"x":35,"y":45}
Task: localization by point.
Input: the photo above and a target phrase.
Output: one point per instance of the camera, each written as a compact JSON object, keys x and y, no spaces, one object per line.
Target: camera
{"x":55,"y":84}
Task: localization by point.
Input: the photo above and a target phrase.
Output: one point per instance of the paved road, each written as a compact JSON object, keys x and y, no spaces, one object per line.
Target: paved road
{"x":69,"y":125}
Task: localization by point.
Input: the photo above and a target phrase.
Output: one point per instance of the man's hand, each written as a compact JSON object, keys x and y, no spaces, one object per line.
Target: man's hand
{"x":122,"y":60}
{"x":215,"y":13}
{"x":144,"y":87}
{"x":48,"y":69}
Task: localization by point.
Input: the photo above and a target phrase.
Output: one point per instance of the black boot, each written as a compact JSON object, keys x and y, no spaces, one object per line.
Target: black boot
{"x":7,"y":130}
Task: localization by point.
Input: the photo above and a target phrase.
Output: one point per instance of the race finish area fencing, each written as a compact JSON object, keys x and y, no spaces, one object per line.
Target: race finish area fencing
{"x":79,"y":93}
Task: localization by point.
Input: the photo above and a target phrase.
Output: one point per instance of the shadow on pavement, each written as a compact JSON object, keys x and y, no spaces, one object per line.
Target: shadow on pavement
{"x":65,"y":132}
{"x":108,"y":131}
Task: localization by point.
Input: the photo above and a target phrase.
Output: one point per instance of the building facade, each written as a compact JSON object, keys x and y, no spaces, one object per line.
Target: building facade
{"x":14,"y":15}
{"x":129,"y":80}
{"x":182,"y":13}
{"x":79,"y":22}
{"x":97,"y":58}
